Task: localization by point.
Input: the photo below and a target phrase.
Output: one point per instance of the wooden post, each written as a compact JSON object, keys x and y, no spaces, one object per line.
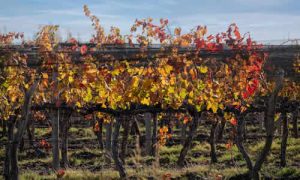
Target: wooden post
{"x":55,"y":139}
{"x":285,"y":134}
{"x":147,"y":118}
{"x":108,"y":143}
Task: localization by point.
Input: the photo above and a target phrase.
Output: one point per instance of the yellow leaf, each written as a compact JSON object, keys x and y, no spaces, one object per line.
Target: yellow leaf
{"x":153,"y":89}
{"x":135,"y":82}
{"x":115,"y":72}
{"x":88,"y":95}
{"x":208,"y":105}
{"x":203,"y":69}
{"x":168,"y":68}
{"x":221,"y":106}
{"x":171,"y":89}
{"x":84,"y":82}
{"x":198,"y":107}
{"x":45,"y":75}
{"x":172,"y":80}
{"x":277,"y":116}
{"x":226,"y":69}
{"x":102,"y":93}
{"x":146,"y":101}
{"x":71,"y":79}
{"x":236,"y":95}
{"x":227,"y":116}
{"x":214,"y":107}
{"x":78,"y":104}
{"x":183,"y":93}
{"x":191,"y":94}
{"x":13,"y":98}
{"x":162,"y":72}
{"x":26,"y":85}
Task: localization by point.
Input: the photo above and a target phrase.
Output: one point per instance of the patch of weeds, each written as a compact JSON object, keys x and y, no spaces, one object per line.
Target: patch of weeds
{"x":288,"y":172}
{"x":170,"y":150}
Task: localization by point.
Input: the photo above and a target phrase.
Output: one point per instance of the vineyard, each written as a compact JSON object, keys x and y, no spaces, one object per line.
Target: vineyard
{"x":153,"y":104}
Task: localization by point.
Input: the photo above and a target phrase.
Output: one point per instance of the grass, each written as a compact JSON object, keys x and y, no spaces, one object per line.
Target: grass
{"x":206,"y":171}
{"x":230,"y":162}
{"x":84,"y":132}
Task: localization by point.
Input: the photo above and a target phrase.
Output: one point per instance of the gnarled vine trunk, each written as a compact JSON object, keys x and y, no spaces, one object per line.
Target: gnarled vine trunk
{"x":17,"y":136}
{"x":189,"y":139}
{"x":212,"y":142}
{"x":99,"y":133}
{"x":4,"y":128}
{"x":126,"y":125}
{"x":183,"y":133}
{"x":115,"y":147}
{"x":269,"y":125}
{"x":295,"y":124}
{"x":285,"y":133}
{"x":108,"y":143}
{"x":221,"y":129}
{"x":65,"y":125}
{"x":154,"y":135}
{"x":10,"y":134}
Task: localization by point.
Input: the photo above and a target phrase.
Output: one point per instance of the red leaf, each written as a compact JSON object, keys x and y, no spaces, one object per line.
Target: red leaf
{"x":60,"y":173}
{"x":83,"y":49}
{"x":200,"y":43}
{"x":88,"y":117}
{"x":210,"y":37}
{"x":254,"y":68}
{"x":233,"y":121}
{"x":255,"y":82}
{"x":73,"y":41}
{"x":251,"y":87}
{"x":245,"y":95}
{"x":249,"y":43}
{"x":211,"y":46}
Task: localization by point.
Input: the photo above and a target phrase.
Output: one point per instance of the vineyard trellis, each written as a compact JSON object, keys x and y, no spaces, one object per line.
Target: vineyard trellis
{"x":193,"y":76}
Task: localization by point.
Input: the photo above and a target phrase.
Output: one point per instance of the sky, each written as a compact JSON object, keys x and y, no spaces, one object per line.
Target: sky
{"x":266,"y":20}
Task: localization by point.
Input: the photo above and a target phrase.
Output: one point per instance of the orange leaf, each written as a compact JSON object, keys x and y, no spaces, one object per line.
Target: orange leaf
{"x":185,"y":120}
{"x":96,"y":127}
{"x":237,"y":33}
{"x":228,"y":145}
